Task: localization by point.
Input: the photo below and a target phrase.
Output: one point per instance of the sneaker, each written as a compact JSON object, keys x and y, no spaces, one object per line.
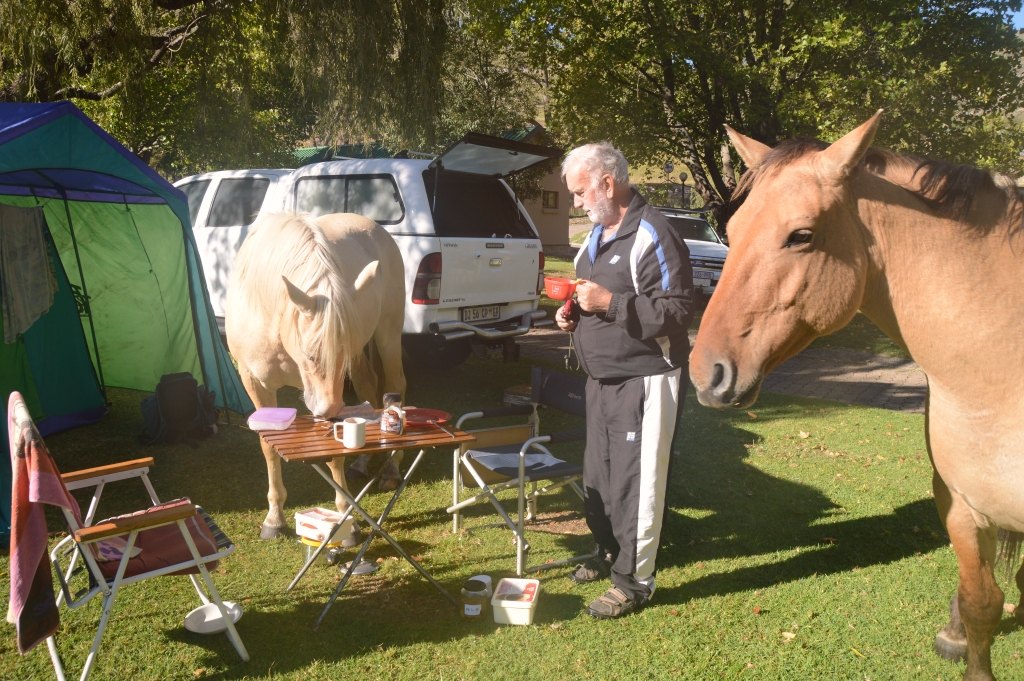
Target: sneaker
{"x":614,"y":603}
{"x":591,"y":570}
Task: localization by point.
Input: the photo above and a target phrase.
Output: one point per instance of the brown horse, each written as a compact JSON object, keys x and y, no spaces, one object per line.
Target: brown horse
{"x":307,"y":299}
{"x":934,"y":255}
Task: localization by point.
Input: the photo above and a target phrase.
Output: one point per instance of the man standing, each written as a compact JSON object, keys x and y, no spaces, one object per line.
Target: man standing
{"x":636,"y":304}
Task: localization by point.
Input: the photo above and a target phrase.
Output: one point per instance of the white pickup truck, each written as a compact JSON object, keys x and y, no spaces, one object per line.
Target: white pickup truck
{"x":473,"y":259}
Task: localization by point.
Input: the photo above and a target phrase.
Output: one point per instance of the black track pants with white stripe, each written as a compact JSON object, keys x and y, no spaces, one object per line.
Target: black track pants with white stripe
{"x":630,"y":429}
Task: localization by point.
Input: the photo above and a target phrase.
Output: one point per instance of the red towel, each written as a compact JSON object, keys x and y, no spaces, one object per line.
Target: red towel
{"x":35,"y":481}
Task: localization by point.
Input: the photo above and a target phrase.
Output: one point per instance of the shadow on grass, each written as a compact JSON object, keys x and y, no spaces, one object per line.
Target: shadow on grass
{"x":837,"y":547}
{"x":277,"y":628}
{"x":742,"y":512}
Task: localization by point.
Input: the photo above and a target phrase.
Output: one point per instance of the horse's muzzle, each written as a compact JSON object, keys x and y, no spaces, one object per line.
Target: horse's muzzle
{"x":716,"y":385}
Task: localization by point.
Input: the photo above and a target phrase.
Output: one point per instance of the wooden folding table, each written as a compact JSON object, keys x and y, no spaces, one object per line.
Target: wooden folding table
{"x":311,"y":441}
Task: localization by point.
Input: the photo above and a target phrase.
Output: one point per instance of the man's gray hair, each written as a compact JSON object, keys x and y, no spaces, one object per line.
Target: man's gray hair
{"x":597,"y":159}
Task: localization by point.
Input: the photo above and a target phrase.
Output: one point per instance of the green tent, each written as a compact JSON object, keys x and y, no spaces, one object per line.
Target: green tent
{"x":130,"y":302}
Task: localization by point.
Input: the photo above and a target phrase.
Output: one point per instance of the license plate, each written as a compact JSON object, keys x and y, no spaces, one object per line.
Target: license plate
{"x":702,"y":274}
{"x":483,"y":313}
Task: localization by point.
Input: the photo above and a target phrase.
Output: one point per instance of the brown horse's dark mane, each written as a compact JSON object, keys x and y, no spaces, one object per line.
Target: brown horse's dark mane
{"x":947,"y":188}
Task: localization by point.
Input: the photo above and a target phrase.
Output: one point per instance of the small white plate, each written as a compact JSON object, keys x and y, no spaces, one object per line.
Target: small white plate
{"x":206,"y":619}
{"x":365,"y":567}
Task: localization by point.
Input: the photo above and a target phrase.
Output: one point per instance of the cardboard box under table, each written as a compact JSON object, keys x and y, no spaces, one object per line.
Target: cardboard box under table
{"x":312,"y":442}
{"x":313,"y":525}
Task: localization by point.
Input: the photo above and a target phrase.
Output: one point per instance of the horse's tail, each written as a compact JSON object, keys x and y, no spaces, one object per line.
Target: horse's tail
{"x":1009,"y":551}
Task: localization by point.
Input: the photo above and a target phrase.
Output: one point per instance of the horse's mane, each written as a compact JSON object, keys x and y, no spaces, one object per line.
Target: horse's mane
{"x":300,"y":252}
{"x":947,"y":188}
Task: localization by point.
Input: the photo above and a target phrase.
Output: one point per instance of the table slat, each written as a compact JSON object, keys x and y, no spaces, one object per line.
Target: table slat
{"x":310,"y":441}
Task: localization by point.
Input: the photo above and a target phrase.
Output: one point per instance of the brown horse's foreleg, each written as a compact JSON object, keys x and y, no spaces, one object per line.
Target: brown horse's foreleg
{"x":951,"y":641}
{"x":979,"y":599}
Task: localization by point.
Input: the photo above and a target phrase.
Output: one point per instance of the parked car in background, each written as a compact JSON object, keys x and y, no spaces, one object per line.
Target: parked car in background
{"x":473,"y":258}
{"x":223,"y":205}
{"x":707,"y":250}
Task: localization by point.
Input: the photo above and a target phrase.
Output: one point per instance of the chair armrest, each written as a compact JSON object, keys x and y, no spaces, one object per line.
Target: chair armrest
{"x":82,"y":478}
{"x":144,"y":520}
{"x":511,"y":410}
{"x":533,"y":442}
{"x":572,"y":435}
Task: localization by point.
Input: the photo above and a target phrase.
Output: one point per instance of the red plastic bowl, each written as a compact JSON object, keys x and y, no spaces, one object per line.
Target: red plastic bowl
{"x":559,"y":288}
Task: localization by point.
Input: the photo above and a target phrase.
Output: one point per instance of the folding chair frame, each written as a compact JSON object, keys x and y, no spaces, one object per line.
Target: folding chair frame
{"x":70,"y":550}
{"x":532,"y":442}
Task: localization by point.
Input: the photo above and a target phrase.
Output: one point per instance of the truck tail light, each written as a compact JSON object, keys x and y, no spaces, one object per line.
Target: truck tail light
{"x":540,"y":272}
{"x":427,"y":288}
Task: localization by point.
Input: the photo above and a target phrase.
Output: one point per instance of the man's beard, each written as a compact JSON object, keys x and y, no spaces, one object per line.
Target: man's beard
{"x":603,"y":211}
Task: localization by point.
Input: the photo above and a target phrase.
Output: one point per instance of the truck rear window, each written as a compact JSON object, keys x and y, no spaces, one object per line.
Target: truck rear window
{"x":372,"y":196}
{"x":466,"y":205}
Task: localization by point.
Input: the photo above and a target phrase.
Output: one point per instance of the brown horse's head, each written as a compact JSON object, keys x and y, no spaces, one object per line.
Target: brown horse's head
{"x":797,"y":263}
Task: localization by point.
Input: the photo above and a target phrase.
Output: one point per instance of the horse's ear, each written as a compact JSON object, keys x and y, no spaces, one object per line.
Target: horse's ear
{"x":750,"y":150}
{"x":301,"y":299}
{"x":368,"y":273}
{"x":843,"y":155}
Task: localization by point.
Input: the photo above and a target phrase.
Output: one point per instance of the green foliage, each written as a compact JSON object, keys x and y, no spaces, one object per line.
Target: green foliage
{"x":194,"y":85}
{"x":191,"y":85}
{"x":212,"y":107}
{"x":660,"y":79}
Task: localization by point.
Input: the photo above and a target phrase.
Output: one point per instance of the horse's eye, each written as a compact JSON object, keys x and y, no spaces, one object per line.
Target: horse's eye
{"x":800,"y":237}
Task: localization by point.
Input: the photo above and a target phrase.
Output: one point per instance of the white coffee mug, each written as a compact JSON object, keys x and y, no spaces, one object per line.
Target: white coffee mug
{"x":353,"y":432}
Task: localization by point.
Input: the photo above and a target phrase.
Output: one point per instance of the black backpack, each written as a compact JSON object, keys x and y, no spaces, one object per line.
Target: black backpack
{"x":180,"y":410}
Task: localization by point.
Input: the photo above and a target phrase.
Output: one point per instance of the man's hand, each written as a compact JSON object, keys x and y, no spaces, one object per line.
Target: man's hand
{"x":567,"y":323}
{"x":593,"y":297}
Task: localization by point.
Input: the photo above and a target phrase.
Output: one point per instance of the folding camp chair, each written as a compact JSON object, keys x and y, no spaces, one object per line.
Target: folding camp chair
{"x":99,"y":558}
{"x":516,"y":455}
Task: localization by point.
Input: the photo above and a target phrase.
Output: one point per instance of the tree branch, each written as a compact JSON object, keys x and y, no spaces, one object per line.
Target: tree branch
{"x":91,"y":95}
{"x":175,"y":5}
{"x":170,"y":41}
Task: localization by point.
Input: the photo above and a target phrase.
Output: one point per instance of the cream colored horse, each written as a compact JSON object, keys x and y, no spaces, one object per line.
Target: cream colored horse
{"x":934,"y":255}
{"x":307,"y":298}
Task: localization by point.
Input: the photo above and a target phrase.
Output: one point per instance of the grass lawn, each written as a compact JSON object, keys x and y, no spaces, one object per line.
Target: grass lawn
{"x":801,"y":543}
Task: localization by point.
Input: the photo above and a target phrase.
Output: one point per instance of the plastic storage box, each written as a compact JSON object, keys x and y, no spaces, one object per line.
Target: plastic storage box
{"x":515,"y":600}
{"x":314,"y":524}
{"x":272,"y":418}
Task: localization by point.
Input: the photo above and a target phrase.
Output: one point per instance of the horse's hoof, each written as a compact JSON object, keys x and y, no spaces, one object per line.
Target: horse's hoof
{"x":356,"y":478}
{"x":389,"y":484}
{"x":950,"y":647}
{"x":271,"y":532}
{"x":353,"y":539}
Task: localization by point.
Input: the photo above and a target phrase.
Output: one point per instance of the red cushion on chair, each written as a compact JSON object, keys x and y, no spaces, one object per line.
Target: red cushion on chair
{"x":163,"y":546}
